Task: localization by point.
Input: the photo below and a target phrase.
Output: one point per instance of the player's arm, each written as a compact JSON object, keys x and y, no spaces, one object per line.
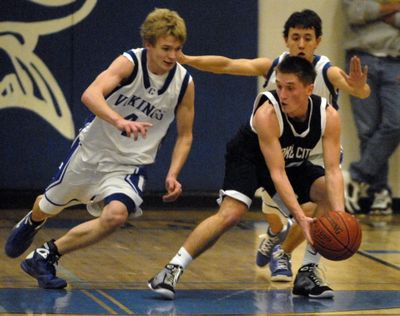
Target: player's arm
{"x":225,"y":65}
{"x":331,"y":153}
{"x":353,"y":83}
{"x":104,"y":84}
{"x":183,"y":143}
{"x":267,"y":127}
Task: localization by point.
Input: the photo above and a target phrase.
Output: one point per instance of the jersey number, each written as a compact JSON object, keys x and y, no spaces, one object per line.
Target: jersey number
{"x":131,"y":117}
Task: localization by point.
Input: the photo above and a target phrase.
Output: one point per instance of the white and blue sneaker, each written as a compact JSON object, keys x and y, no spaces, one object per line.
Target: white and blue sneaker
{"x":21,"y":236}
{"x":40,"y":264}
{"x":268,"y":242}
{"x":280,"y":266}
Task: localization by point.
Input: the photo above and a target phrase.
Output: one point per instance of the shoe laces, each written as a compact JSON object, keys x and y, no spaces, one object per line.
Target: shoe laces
{"x":52,"y":266}
{"x":48,"y":254}
{"x":317,"y":275}
{"x":26,"y":220}
{"x":173,"y":274}
{"x":49,"y":259}
{"x":53,"y":259}
{"x":268,"y":242}
{"x":282,"y":259}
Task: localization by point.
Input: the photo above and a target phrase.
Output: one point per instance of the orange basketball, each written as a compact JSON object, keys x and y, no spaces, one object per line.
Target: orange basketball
{"x":336,"y":235}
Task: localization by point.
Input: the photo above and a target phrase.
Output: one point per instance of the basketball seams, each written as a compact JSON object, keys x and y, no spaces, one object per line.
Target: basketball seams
{"x":326,"y":229}
{"x":355,"y":240}
{"x":325,"y":226}
{"x":348,"y":232}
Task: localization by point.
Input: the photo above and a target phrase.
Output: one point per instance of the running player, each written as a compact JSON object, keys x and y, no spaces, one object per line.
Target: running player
{"x":134,"y":102}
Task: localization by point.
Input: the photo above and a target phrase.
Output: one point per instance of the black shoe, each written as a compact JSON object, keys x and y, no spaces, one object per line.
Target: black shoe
{"x":309,"y":283}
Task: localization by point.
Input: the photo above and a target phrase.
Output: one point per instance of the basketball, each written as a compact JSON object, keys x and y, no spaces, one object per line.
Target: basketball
{"x":336,"y":235}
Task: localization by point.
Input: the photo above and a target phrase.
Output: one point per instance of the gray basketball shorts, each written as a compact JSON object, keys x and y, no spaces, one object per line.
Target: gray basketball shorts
{"x":79,"y":182}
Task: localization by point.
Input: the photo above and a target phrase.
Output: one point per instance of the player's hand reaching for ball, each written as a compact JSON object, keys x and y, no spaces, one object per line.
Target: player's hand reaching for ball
{"x":133,"y":128}
{"x":305,"y":224}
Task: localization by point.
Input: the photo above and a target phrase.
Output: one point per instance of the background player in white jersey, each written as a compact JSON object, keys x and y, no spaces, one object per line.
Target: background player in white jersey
{"x":302,"y":34}
{"x":134,"y":101}
{"x":287,"y":120}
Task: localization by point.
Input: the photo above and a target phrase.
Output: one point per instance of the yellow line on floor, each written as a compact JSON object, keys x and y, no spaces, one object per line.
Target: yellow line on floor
{"x":100,"y":302}
{"x":120,"y":305}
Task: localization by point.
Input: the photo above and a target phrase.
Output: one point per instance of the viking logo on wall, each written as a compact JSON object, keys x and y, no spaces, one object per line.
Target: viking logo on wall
{"x":25,"y":80}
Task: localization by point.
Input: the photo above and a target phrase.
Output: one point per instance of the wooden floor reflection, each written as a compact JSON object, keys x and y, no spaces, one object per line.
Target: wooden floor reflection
{"x":115,"y":271}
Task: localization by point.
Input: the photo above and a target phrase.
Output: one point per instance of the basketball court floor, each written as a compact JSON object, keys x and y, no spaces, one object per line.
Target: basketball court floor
{"x":110,"y":278}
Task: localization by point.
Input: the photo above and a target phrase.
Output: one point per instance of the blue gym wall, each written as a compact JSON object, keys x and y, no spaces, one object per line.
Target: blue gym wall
{"x":45,"y":67}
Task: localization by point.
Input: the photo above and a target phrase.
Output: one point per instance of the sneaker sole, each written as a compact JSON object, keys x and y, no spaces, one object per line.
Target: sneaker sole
{"x":326,"y":294}
{"x":281,"y":278}
{"x":25,"y":267}
{"x":163,"y":292}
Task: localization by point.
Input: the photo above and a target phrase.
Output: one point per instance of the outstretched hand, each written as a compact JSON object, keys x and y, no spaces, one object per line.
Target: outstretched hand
{"x":133,"y":128}
{"x":174,"y":189}
{"x":305,"y":224}
{"x":358,"y":75}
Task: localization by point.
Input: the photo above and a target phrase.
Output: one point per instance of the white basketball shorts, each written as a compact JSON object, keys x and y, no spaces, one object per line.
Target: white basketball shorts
{"x":80,"y":182}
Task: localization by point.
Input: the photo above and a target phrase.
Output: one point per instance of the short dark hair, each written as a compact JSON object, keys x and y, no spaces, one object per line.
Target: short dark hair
{"x":306,"y":19}
{"x":298,"y":66}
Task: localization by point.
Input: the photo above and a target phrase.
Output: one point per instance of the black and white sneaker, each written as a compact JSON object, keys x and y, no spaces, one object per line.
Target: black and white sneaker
{"x":353,"y":192}
{"x":165,"y":281}
{"x":309,"y":283}
{"x":382,"y":203}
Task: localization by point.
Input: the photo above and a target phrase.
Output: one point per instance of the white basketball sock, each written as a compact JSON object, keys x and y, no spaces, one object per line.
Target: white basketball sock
{"x":182,"y":258}
{"x":311,"y":256}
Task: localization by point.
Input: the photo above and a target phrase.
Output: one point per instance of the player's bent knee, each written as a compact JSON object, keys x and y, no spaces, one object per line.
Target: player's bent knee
{"x":113,"y":221}
{"x":231,"y":220}
{"x":114,"y":214}
{"x":231,"y":212}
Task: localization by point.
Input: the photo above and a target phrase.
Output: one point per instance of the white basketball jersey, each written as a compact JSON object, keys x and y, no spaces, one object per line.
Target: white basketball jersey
{"x":142,"y":97}
{"x":322,"y":86}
